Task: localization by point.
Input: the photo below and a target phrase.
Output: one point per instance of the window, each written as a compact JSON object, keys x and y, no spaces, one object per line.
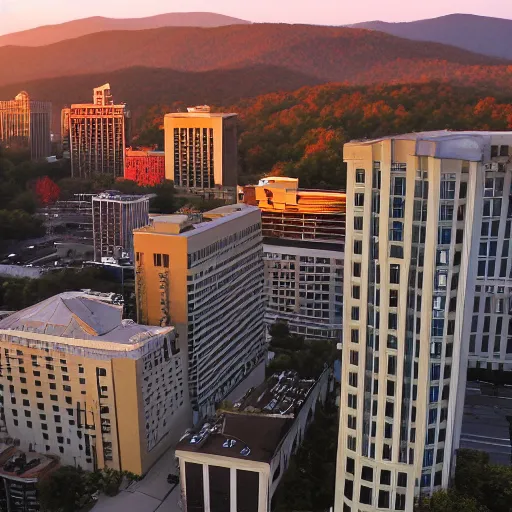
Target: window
{"x":391,"y":365}
{"x":394,"y":274}
{"x":367,"y":473}
{"x":401,"y":480}
{"x":354,"y":357}
{"x":398,"y":208}
{"x":444,"y":236}
{"x":358,"y":247}
{"x":352,"y":422}
{"x":350,"y":465}
{"x":399,"y":185}
{"x":351,"y":443}
{"x":354,"y":335}
{"x":356,"y":292}
{"x":447,"y":189}
{"x":393,"y":298}
{"x":385,"y":477}
{"x":359,"y":175}
{"x":355,"y":313}
{"x":383,"y":499}
{"x":365,"y":495}
{"x":356,"y":269}
{"x":358,"y":223}
{"x":352,"y":379}
{"x":352,"y":401}
{"x":396,"y":233}
{"x":359,"y":199}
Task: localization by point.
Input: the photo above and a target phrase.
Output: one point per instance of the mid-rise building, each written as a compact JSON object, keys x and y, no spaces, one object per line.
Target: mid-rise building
{"x":427,"y":281}
{"x":238,"y":461}
{"x":26,"y":124}
{"x":145,"y":167}
{"x":94,"y":135}
{"x":114,"y":217}
{"x":303,"y":244}
{"x":201,"y":149}
{"x":93,"y":389}
{"x":206,"y":278}
{"x":20,"y":473}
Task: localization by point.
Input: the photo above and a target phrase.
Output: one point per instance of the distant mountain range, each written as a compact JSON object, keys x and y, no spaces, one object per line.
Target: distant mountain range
{"x":480,"y":34}
{"x":50,"y":34}
{"x":324,"y":53}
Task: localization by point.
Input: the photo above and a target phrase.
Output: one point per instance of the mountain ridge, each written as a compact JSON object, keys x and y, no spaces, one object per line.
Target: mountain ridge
{"x":327,"y":53}
{"x":50,"y":34}
{"x":480,"y":34}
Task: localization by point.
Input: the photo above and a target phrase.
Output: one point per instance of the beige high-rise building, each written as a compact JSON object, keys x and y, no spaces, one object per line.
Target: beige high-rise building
{"x":94,"y":135}
{"x":427,"y":221}
{"x":26,"y":124}
{"x":205,"y":277}
{"x":201,"y":149}
{"x":79,"y":382}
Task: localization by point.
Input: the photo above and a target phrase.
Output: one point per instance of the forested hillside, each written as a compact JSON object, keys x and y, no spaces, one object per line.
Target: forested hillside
{"x":302,"y":133}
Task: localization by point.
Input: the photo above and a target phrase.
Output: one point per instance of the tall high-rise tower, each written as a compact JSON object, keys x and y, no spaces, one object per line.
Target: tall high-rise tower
{"x":427,"y":221}
{"x":26,"y":124}
{"x":94,"y":135}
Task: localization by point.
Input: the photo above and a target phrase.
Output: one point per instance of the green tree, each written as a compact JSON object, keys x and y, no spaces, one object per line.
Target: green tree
{"x":451,"y":501}
{"x":62,"y":489}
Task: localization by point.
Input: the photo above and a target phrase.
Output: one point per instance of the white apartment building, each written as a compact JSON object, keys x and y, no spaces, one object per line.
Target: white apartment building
{"x":304,"y":286}
{"x":427,"y":283}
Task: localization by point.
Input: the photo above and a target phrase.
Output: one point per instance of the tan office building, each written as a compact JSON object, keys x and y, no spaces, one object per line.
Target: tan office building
{"x":79,"y":382}
{"x":427,"y":218}
{"x":206,"y":278}
{"x":26,"y":124}
{"x":201,"y":149}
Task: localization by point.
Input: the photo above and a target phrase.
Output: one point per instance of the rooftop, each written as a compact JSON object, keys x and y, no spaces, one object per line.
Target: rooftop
{"x":18,"y":465}
{"x":240,"y":436}
{"x":79,"y":315}
{"x":187,"y":225}
{"x":201,"y":113}
{"x":115,"y":195}
{"x":258,"y":422}
{"x":466,"y":145}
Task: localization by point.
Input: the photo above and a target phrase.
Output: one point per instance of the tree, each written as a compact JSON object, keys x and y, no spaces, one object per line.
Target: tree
{"x":61,"y":490}
{"x":451,"y":501}
{"x":47,"y":191}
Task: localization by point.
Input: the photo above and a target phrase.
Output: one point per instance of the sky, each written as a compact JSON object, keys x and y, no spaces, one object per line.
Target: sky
{"x":18,"y":15}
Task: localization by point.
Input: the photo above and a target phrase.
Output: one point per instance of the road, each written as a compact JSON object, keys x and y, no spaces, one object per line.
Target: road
{"x":485,"y":426}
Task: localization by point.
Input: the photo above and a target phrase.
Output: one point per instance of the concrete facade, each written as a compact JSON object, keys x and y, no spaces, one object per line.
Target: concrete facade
{"x":416,"y":211}
{"x":95,"y":390}
{"x":94,"y":135}
{"x":206,"y":278}
{"x":201,"y":149}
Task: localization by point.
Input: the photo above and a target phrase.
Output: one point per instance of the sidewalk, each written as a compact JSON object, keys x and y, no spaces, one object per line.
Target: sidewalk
{"x":151,"y":494}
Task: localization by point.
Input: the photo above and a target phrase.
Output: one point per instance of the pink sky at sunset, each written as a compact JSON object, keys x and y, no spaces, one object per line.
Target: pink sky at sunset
{"x":22,"y":14}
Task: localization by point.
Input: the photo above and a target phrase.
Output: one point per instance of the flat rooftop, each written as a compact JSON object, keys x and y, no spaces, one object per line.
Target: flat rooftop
{"x":79,"y":316}
{"x":114,"y":195}
{"x":189,"y":115}
{"x":240,"y":436}
{"x":258,"y":422}
{"x":185,"y":225}
{"x":18,"y":465}
{"x":462,"y":145}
